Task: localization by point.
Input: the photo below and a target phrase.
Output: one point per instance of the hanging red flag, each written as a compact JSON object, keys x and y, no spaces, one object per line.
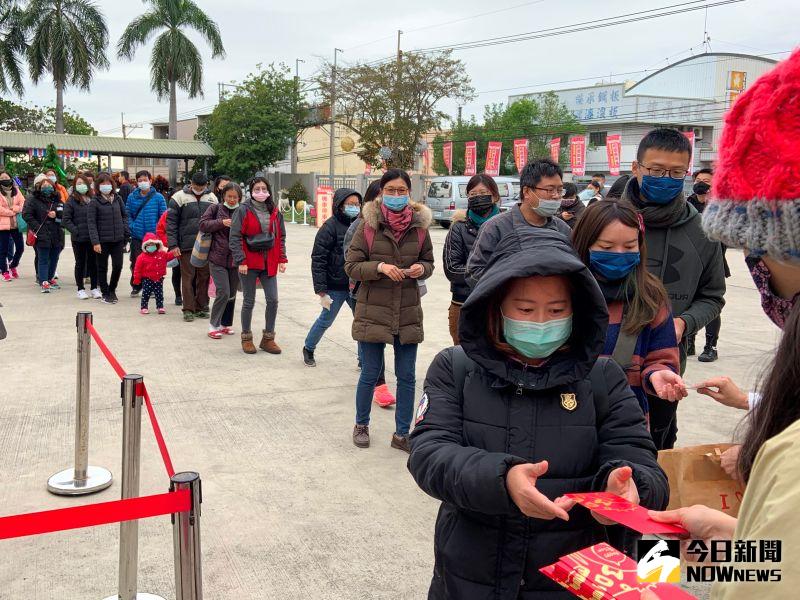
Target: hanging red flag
{"x":520,"y":153}
{"x":690,"y":136}
{"x":577,"y":154}
{"x":470,"y":158}
{"x":555,"y":149}
{"x":447,"y":155}
{"x":493,"y":158}
{"x":614,"y":152}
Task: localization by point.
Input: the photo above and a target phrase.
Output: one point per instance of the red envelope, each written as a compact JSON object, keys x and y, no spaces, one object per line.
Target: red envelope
{"x":631,"y":515}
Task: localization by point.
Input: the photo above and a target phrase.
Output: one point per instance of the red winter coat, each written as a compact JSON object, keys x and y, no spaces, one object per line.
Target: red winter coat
{"x":245,"y":224}
{"x":161,"y":229}
{"x":151,"y":266}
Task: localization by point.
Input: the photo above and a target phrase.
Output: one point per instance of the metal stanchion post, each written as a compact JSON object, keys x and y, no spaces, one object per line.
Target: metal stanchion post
{"x":292,"y":212}
{"x":131,"y":450}
{"x":305,"y":213}
{"x":186,"y":537}
{"x":83,"y":478}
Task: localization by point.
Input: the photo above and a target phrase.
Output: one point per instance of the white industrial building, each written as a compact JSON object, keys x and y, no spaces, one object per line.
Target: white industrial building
{"x":692,"y":94}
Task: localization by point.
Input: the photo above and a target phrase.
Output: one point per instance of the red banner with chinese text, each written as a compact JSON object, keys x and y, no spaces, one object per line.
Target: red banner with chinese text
{"x":555,"y":149}
{"x":690,"y":136}
{"x":614,"y":152}
{"x":447,"y":155}
{"x":493,"y":152}
{"x":577,"y":154}
{"x":520,"y":153}
{"x":470,"y":158}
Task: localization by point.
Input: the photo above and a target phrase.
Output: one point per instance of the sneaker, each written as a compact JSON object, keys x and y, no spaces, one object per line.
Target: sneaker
{"x":383,"y":397}
{"x":106,"y":299}
{"x":6,"y":276}
{"x":201,"y":314}
{"x":178,"y":301}
{"x":14,"y":273}
{"x":45,"y":287}
{"x":308,"y":357}
{"x":227,"y":330}
{"x":144,"y":311}
{"x":361,"y":436}
{"x":709,"y":354}
{"x":161,"y":311}
{"x":54,"y":284}
{"x":114,"y":298}
{"x":188,"y":316}
{"x":82,"y":295}
{"x":96,"y":294}
{"x":135,"y":293}
{"x":401,"y":442}
{"x":215,"y":334}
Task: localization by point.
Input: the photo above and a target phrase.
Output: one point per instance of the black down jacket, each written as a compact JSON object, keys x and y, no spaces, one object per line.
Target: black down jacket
{"x":34,"y":211}
{"x":183,"y":217}
{"x":76,"y":218}
{"x":108,"y":221}
{"x":457,"y":247}
{"x":327,"y":256}
{"x":508,"y":413}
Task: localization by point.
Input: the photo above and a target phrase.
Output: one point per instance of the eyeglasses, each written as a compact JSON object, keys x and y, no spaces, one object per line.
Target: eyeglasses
{"x":673,"y":173}
{"x":557,"y":192}
{"x":395,"y":191}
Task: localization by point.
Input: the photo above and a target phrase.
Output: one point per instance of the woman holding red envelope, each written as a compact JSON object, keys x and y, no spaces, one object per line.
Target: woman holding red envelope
{"x":522,"y":413}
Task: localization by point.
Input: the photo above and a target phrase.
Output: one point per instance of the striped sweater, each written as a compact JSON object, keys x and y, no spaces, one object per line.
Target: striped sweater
{"x":656,"y":349}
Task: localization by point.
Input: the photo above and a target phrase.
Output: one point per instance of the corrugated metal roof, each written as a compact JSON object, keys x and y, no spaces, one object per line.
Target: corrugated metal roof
{"x":23,"y":140}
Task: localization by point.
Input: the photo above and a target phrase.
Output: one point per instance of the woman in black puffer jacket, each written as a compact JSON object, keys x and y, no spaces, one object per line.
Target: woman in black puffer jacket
{"x":519,"y":415}
{"x":331,"y":283}
{"x":43,"y":211}
{"x":76,"y":221}
{"x":108,"y":230}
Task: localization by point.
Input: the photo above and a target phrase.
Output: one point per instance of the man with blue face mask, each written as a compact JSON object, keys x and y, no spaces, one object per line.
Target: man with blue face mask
{"x":679,"y":254}
{"x":145,"y":207}
{"x":541,"y":189}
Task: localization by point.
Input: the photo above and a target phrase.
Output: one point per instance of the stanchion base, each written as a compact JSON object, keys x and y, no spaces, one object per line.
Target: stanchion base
{"x":64,"y":483}
{"x":139,"y":596}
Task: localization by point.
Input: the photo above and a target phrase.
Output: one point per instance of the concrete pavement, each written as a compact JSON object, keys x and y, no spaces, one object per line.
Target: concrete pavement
{"x":291,"y":508}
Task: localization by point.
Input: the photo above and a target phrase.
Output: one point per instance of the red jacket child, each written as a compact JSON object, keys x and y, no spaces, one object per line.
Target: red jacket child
{"x":151,"y":265}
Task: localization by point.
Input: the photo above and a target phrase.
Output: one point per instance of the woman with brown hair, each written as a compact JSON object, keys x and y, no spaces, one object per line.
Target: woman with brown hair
{"x":641,"y":338}
{"x":520,"y":414}
{"x":76,"y":221}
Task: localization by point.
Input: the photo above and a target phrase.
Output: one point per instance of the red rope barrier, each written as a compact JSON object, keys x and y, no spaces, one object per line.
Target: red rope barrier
{"x":162,"y":445}
{"x":91,"y":515}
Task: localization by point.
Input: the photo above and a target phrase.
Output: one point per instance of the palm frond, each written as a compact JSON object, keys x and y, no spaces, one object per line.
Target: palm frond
{"x":138,"y":32}
{"x":195,"y":18}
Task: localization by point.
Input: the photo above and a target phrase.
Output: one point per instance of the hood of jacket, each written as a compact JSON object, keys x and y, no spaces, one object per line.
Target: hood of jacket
{"x":342,"y":194}
{"x":151,"y":238}
{"x":632,"y":194}
{"x":421,"y":217}
{"x":548,"y":254}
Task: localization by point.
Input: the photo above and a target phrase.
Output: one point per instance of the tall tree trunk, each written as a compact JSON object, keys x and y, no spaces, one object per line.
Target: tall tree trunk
{"x":173,"y":131}
{"x":59,"y":107}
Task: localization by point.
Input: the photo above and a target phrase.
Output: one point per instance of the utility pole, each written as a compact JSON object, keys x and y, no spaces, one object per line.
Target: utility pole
{"x":124,"y":134}
{"x":395,"y":143}
{"x":333,"y":114}
{"x":126,"y":128}
{"x":297,"y":62}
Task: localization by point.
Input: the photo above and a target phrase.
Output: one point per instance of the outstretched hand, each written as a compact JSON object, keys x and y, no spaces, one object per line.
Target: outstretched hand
{"x":668,"y":385}
{"x":521,"y":485}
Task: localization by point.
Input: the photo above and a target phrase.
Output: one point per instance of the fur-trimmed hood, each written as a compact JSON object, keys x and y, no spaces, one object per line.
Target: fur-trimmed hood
{"x":459,"y":216}
{"x":152,"y":238}
{"x":422,"y":215}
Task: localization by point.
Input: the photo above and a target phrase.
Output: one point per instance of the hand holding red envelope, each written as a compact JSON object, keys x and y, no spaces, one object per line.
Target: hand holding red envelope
{"x":619,"y":510}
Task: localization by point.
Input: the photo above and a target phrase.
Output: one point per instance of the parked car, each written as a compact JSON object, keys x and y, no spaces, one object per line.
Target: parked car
{"x":446,"y":195}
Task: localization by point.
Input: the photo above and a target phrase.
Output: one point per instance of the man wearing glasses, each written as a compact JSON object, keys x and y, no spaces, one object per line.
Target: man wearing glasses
{"x":678,"y":253}
{"x":540,"y":190}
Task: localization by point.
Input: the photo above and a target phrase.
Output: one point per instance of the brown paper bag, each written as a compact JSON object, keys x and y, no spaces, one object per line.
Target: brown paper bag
{"x":696,"y":477}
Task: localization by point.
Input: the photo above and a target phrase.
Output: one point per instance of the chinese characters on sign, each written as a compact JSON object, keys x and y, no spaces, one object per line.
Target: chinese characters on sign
{"x":493,"y":158}
{"x":734,"y":560}
{"x":613,"y":151}
{"x":470,"y":158}
{"x":690,"y":136}
{"x":324,"y":204}
{"x":577,"y":154}
{"x":521,"y":153}
{"x":737,"y":81}
{"x":447,"y":155}
{"x":555,"y":149}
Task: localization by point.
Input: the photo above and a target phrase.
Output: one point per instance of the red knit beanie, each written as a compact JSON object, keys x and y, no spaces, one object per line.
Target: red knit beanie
{"x":756,"y":196}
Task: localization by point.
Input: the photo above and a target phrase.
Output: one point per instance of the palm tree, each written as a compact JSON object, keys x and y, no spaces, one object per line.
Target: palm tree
{"x":68,"y":40}
{"x":12,"y":47}
{"x":175,"y":61}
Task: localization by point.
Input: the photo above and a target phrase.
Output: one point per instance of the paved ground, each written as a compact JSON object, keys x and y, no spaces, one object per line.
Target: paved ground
{"x":291,"y":508}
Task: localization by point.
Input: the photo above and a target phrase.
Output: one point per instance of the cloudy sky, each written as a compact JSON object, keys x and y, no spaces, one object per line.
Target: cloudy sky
{"x":255,"y":31}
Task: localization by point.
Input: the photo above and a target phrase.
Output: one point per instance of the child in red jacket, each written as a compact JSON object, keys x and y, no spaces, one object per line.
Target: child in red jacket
{"x":149,"y":272}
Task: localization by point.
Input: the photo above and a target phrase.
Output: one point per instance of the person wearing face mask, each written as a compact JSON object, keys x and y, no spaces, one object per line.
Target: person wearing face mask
{"x":11,"y":243}
{"x":641,"y":336}
{"x":186,"y":206}
{"x":258,"y":245}
{"x":76,"y":221}
{"x":483,"y":203}
{"x":43,"y":211}
{"x":571,"y":206}
{"x":687,"y":263}
{"x":145,"y":206}
{"x":759,"y":215}
{"x":61,"y":191}
{"x":541,"y":190}
{"x":591,"y":194}
{"x":149,"y":272}
{"x":331,"y":283}
{"x":520,"y":414}
{"x":109,"y":232}
{"x":217,"y":221}
{"x":390,"y":252}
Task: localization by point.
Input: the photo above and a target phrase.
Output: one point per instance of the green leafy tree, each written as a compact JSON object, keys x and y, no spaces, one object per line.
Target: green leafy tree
{"x":175,"y":61}
{"x":18,"y":117}
{"x":252,"y":127}
{"x":539,"y":120}
{"x":13,"y":46}
{"x":68,"y":41}
{"x":394,"y":104}
{"x":297,"y":192}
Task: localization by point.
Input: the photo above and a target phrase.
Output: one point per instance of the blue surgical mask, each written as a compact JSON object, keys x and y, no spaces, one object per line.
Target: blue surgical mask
{"x":395,"y":203}
{"x":660,"y":190}
{"x":47,"y":190}
{"x":144,"y":186}
{"x":537,"y":340}
{"x":105,"y":188}
{"x":613,"y":266}
{"x":352,"y":211}
{"x":586,"y":194}
{"x":151,"y":248}
{"x":82,"y":188}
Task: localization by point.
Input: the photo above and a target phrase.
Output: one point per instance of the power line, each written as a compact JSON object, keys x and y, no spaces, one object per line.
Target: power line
{"x":484,"y":14}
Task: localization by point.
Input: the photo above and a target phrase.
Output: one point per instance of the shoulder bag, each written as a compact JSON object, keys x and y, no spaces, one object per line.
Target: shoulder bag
{"x":262,"y":241}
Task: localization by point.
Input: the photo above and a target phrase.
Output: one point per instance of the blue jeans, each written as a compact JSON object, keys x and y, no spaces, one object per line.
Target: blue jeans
{"x":48,"y":261}
{"x":11,"y":249}
{"x":327,"y":317}
{"x":405,"y":360}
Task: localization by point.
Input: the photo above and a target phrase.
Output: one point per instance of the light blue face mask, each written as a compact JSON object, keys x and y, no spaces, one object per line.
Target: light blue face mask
{"x":395,"y":203}
{"x":352,"y":211}
{"x":537,"y":340}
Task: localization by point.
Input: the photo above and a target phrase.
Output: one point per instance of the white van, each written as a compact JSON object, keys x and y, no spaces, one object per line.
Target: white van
{"x":449,"y":194}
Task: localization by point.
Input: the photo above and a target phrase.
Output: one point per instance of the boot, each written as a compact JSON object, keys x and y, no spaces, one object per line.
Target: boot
{"x":247,"y":344}
{"x":268,"y":343}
